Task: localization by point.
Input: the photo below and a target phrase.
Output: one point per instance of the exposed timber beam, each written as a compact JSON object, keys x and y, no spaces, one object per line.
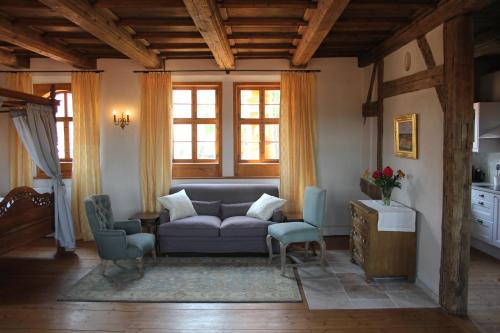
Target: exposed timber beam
{"x":429,"y":78}
{"x":431,"y":63}
{"x":457,"y":160}
{"x":299,"y":4}
{"x":420,"y":26}
{"x":138,"y":4}
{"x":30,"y":40}
{"x":380,"y":114}
{"x":207,"y":19}
{"x":264,"y":35}
{"x":11,"y":60}
{"x":319,"y":27}
{"x":81,"y":13}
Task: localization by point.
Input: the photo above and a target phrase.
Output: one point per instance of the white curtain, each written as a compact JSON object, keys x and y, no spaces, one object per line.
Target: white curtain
{"x":36,"y":127}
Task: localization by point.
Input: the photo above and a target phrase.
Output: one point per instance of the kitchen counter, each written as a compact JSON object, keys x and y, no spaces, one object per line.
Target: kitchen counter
{"x":487,"y":187}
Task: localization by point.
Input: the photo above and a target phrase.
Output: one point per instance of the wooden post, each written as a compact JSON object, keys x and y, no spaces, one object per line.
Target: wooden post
{"x":380,"y":113}
{"x":458,"y":133}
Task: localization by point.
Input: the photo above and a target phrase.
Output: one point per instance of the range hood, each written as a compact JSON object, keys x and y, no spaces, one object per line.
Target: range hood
{"x":487,"y":120}
{"x":493,"y":133}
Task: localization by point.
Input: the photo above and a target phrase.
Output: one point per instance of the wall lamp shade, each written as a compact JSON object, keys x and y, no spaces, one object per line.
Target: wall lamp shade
{"x":123,"y":120}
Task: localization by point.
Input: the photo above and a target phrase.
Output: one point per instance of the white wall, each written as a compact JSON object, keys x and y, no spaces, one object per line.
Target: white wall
{"x":422,"y":190}
{"x":339,"y":127}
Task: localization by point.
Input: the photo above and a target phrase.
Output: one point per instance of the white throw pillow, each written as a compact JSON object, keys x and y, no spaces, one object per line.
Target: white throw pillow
{"x":264,"y":207}
{"x":178,"y":204}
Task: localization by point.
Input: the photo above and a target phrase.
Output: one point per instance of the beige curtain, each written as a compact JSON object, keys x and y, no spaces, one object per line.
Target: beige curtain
{"x":20,"y":162}
{"x":297,"y":138}
{"x":156,"y":138}
{"x":86,"y":173}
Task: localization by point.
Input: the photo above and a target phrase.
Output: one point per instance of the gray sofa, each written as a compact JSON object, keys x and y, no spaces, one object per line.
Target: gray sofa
{"x":221,"y":225}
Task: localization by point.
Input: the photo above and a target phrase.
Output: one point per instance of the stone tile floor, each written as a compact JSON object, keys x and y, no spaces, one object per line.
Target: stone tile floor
{"x":342,"y":285}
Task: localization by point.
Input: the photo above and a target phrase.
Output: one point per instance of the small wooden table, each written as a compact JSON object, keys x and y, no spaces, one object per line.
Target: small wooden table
{"x":149,"y":223}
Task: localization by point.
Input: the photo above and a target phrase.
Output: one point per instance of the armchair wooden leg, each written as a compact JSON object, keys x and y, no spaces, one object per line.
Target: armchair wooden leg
{"x":103,"y":266}
{"x":283,"y":257}
{"x":153,"y":254}
{"x":322,"y":258}
{"x":306,"y":249}
{"x":269,"y":242}
{"x":140,"y":266}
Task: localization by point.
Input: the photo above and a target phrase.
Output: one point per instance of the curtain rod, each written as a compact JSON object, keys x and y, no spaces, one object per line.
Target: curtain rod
{"x":227,"y":71}
{"x":27,"y":71}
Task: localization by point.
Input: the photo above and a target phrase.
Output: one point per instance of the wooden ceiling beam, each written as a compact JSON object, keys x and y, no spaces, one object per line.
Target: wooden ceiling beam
{"x":299,"y":4}
{"x":264,"y":35}
{"x":139,"y":4}
{"x":30,"y":40}
{"x":265,"y":21}
{"x":168,"y":34}
{"x":91,"y":20}
{"x":391,"y":5}
{"x":263,"y":55}
{"x":20,"y":4}
{"x":420,"y":26}
{"x":11,"y":60}
{"x":161,"y":46}
{"x":320,"y":25}
{"x":156,"y":22}
{"x":206,"y":16}
{"x":260,"y":46}
{"x":44,"y":22}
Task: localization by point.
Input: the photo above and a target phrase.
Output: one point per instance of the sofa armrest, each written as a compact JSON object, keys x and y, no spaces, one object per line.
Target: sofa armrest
{"x":278,"y":216}
{"x":164,"y":216}
{"x":130,"y":226}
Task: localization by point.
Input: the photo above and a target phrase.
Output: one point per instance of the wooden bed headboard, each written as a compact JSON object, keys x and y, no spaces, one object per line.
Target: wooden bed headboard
{"x":25,"y":215}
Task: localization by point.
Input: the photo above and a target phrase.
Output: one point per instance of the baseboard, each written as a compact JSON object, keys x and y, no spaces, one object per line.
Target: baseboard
{"x":428,"y":291}
{"x":337,"y":230}
{"x":485,"y":247}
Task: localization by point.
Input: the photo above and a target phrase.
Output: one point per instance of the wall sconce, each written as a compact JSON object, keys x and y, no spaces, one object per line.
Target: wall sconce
{"x":123,"y":120}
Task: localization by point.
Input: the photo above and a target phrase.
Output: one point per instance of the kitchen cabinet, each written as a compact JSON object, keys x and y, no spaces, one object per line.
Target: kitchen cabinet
{"x":485,"y":216}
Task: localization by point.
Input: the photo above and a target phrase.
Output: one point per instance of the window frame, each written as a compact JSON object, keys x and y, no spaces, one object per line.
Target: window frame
{"x":194,"y":167}
{"x":261,"y":168}
{"x":45,"y":90}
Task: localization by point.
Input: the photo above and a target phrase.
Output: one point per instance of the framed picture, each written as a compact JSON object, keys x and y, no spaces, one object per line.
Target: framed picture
{"x":405,"y":136}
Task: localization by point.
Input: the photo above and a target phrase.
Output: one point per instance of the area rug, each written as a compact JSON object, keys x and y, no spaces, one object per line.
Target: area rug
{"x":186,"y":279}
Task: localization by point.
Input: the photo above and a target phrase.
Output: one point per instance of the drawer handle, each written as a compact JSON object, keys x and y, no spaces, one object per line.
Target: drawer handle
{"x":481,"y":203}
{"x":481,"y":195}
{"x":480,"y":221}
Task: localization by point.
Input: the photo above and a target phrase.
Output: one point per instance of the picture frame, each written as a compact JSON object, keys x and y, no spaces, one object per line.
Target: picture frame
{"x":405,"y":136}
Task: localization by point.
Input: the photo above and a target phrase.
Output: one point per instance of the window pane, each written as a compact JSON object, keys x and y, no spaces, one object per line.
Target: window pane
{"x":182,"y":150}
{"x":181,"y":96}
{"x":250,"y":142}
{"x":249,"y":97}
{"x":250,"y":133}
{"x":250,"y":151}
{"x":205,"y":111}
{"x":206,"y":150}
{"x":272,"y":133}
{"x":60,"y":107}
{"x":205,"y":96}
{"x":249,"y":111}
{"x":182,"y":110}
{"x":60,"y":138}
{"x":272,"y":97}
{"x":70,"y":139}
{"x":272,"y":151}
{"x":70,"y":104}
{"x":182,"y":132}
{"x":206,"y":132}
{"x":272,"y":111}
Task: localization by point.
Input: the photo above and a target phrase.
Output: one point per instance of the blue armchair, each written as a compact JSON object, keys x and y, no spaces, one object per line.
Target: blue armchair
{"x":308,"y":231}
{"x":116,"y":240}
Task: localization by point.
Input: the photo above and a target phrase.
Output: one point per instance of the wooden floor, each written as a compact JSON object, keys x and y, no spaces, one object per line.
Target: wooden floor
{"x":484,"y":291}
{"x":31,"y":278}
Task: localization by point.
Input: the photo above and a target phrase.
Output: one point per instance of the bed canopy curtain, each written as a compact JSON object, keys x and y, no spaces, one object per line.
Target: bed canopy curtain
{"x":86,"y":172}
{"x":155,"y":138}
{"x":297,"y":138}
{"x":19,"y":159}
{"x":36,"y":127}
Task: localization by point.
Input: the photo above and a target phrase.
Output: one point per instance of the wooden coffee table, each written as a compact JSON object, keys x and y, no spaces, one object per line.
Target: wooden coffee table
{"x":149,"y":224}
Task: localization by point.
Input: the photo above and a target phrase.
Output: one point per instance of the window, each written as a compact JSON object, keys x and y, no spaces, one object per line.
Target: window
{"x":64,"y":124}
{"x":257,"y":112}
{"x":196,"y":133}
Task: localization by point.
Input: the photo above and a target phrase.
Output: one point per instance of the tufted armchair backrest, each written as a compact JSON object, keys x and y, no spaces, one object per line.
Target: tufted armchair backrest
{"x":99,"y":213}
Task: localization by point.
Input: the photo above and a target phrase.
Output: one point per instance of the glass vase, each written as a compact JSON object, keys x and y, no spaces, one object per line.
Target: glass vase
{"x":386,"y":196}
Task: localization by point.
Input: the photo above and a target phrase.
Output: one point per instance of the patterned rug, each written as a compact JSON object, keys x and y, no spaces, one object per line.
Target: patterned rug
{"x":187,"y":279}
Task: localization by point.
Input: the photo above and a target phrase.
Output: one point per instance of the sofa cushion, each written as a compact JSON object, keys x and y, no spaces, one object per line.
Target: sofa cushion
{"x":264,"y":207}
{"x":211,"y":208}
{"x":139,"y":244}
{"x":238,"y":209}
{"x":244,"y":226}
{"x":178,"y":204}
{"x":294,"y":232}
{"x":194,"y":226}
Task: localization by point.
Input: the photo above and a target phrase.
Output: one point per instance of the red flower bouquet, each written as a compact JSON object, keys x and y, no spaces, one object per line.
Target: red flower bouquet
{"x":386,"y":180}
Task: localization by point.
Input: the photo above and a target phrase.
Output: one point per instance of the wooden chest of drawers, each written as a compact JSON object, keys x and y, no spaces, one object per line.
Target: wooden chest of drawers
{"x":380,"y":253}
